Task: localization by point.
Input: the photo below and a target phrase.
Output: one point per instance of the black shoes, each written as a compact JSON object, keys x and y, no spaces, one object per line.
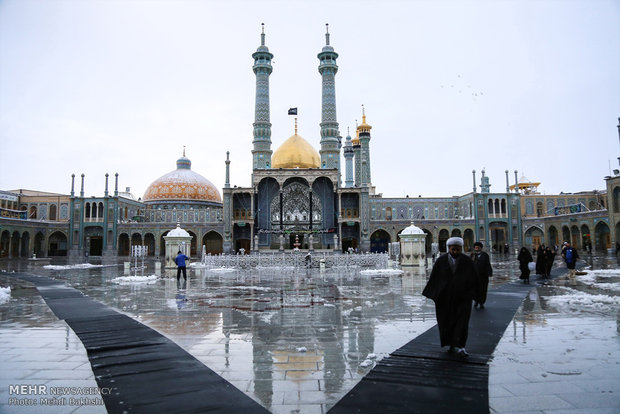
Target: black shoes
{"x":462,"y":353}
{"x":481,"y":307}
{"x":478,"y":304}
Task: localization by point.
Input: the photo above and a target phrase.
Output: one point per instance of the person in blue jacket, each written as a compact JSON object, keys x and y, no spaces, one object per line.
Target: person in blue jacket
{"x":180,"y":261}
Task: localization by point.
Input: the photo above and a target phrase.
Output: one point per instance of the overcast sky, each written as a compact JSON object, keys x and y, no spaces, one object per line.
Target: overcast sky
{"x":448,"y":86}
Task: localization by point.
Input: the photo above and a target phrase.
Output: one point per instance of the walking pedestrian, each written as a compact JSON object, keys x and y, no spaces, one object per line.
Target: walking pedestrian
{"x":549,"y":259}
{"x":524,"y":258}
{"x":482,"y":264}
{"x":181,"y":267}
{"x":570,"y":256}
{"x":452,"y":286}
{"x":540,"y":260}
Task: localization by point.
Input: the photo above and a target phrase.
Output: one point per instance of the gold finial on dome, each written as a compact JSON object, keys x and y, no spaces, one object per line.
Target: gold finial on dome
{"x":184,"y":150}
{"x":295,"y":125}
{"x":363,"y":127}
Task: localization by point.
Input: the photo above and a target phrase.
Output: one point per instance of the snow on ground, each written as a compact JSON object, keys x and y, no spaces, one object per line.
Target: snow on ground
{"x":575,"y":301}
{"x":74,"y":266}
{"x":264,"y":289}
{"x":5,"y":294}
{"x":222,"y":269}
{"x":126,"y":280}
{"x":599,"y":279}
{"x":382,"y":272}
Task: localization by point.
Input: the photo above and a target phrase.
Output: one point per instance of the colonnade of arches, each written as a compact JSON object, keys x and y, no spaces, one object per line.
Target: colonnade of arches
{"x":380,"y":239}
{"x":22,"y":244}
{"x":212,"y":240}
{"x":580,"y":236}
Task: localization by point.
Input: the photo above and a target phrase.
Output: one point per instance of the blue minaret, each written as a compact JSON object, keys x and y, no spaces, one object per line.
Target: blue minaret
{"x":330,"y":150}
{"x":348,"y":163}
{"x":261,"y":153}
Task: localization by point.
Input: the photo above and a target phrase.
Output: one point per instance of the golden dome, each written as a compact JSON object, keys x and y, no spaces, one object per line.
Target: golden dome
{"x":295,"y":152}
{"x":182,"y":184}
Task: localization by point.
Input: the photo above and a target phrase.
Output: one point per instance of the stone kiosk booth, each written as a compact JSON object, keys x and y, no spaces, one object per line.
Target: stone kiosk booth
{"x":412,"y":246}
{"x":176,"y":239}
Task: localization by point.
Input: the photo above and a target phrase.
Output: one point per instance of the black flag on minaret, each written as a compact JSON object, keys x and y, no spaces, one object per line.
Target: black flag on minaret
{"x":292,"y":111}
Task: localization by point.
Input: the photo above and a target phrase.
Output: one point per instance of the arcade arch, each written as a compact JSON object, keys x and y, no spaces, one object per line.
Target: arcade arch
{"x":123,"y":244}
{"x":602,"y":236}
{"x":553,"y":236}
{"x":57,"y":244}
{"x":574,"y":237}
{"x":468,"y":239}
{"x":149,"y":242}
{"x":534,"y":237}
{"x":379,"y":241}
{"x":444,"y":235}
{"x":213,"y":242}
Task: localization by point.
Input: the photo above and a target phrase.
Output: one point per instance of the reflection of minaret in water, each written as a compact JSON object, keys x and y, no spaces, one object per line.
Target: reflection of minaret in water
{"x":262,"y":360}
{"x":334,"y":365}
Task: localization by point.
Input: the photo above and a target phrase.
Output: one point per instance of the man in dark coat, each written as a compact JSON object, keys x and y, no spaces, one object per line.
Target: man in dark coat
{"x":482,"y":263}
{"x":570,"y":256}
{"x":452,"y":286}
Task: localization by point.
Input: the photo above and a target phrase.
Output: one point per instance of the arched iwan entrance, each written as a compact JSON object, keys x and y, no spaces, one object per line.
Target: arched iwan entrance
{"x":213,"y":242}
{"x":57,"y":244}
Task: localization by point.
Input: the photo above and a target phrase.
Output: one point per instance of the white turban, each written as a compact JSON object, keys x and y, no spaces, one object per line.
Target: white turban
{"x":455,"y":240}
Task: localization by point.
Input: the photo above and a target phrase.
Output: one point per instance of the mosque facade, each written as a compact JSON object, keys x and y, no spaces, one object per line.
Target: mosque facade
{"x":299,"y":198}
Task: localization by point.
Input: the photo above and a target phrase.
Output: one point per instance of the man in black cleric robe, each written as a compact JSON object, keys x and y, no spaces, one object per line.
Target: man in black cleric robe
{"x":452,"y":286}
{"x":482,"y":263}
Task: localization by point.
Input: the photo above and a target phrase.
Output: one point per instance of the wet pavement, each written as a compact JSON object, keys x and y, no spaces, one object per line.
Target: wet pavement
{"x":297,"y":341}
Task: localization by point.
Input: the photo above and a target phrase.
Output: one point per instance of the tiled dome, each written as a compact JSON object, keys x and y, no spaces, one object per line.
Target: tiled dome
{"x":182,"y":184}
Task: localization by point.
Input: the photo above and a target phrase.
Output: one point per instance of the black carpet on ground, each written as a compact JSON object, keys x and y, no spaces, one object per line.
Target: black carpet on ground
{"x":146,"y":372}
{"x":421,"y":377}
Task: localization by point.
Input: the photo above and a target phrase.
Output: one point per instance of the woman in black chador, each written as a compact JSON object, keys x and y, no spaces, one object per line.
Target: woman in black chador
{"x":452,"y":286}
{"x":540,"y":260}
{"x":524,"y":258}
{"x":549,"y":259}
